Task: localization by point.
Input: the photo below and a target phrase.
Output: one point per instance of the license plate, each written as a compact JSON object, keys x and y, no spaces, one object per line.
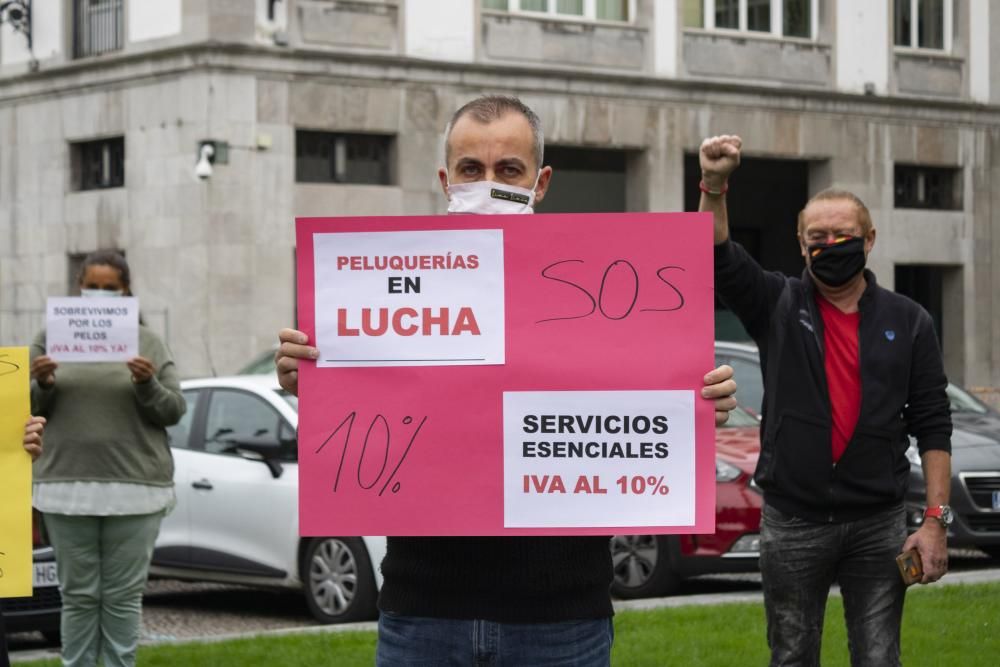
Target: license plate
{"x":45,"y":575}
{"x":996,"y":500}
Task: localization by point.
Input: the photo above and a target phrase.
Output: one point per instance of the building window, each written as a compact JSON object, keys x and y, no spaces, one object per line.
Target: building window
{"x":594,"y":10}
{"x":797,"y":18}
{"x":923,"y":24}
{"x":98,"y":27}
{"x":925,"y":285}
{"x":937,"y":188}
{"x":781,"y":18}
{"x":759,"y":15}
{"x":591,"y":180}
{"x":331,"y":157}
{"x":98,"y":164}
{"x":726,"y":14}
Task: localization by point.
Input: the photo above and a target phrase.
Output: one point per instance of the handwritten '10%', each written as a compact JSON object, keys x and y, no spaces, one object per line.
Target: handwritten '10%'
{"x":377,"y":442}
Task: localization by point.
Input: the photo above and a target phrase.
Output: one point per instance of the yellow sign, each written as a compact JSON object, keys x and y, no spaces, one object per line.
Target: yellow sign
{"x":15,"y":475}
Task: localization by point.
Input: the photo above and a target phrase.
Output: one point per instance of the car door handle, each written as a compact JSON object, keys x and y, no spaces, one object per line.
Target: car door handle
{"x":202,"y":484}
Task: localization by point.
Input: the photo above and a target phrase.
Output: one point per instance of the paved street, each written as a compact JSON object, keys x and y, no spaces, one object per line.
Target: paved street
{"x":175,"y":610}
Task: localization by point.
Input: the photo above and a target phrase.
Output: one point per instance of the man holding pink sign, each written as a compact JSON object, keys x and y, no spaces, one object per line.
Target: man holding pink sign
{"x":525,"y":599}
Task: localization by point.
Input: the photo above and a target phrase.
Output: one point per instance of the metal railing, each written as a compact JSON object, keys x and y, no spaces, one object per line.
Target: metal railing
{"x":98,"y":27}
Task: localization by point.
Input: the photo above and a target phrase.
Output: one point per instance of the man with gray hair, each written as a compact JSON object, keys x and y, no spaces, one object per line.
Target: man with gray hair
{"x":833,"y":467}
{"x":494,"y":600}
{"x":491,"y":139}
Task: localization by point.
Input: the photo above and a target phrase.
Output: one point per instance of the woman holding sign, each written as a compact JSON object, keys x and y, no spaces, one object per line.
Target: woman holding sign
{"x":106,"y":480}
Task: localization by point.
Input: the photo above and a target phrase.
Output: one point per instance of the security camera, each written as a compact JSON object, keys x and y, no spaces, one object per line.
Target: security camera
{"x":203,"y":168}
{"x":13,"y":11}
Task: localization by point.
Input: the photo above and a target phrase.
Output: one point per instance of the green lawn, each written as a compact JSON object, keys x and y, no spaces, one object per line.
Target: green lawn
{"x":946,"y":625}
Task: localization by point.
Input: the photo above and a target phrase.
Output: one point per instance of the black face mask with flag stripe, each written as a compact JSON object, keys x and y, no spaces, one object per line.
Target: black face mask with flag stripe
{"x":834,"y":264}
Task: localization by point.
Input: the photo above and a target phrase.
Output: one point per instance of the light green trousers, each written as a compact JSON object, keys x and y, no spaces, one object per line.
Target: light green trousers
{"x":103,"y":562}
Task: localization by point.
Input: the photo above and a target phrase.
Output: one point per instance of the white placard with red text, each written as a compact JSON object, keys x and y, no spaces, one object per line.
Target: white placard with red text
{"x":419,"y":298}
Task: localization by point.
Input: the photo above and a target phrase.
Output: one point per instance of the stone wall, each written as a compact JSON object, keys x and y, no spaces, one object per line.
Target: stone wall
{"x":932,"y":75}
{"x":350,"y":23}
{"x":757,"y":59}
{"x":557,"y":42}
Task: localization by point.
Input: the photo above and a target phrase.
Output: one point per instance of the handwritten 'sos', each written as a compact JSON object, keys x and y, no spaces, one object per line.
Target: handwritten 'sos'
{"x":619,"y":282}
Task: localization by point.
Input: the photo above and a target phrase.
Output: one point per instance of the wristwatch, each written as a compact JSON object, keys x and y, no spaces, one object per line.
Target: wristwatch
{"x":942,"y":513}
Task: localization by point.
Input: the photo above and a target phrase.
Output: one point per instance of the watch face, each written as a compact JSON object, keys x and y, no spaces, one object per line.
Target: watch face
{"x":946,"y":515}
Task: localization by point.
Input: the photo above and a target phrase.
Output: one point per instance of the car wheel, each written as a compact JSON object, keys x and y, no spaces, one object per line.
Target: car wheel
{"x":642,"y":566}
{"x":338,"y":580}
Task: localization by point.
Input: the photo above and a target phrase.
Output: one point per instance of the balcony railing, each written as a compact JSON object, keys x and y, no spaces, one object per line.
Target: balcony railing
{"x":97,"y":27}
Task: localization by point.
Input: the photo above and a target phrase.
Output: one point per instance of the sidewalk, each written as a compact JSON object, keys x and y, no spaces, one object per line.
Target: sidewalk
{"x":952,"y":579}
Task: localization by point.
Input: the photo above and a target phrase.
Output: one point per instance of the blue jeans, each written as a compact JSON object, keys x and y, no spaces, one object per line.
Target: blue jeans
{"x":417,"y":642}
{"x":800,"y":559}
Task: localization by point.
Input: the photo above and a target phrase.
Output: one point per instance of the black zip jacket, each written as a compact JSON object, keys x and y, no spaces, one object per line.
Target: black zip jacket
{"x":902,"y":392}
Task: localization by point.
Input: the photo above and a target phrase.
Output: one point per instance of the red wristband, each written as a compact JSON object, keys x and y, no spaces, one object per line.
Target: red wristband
{"x":704,"y":188}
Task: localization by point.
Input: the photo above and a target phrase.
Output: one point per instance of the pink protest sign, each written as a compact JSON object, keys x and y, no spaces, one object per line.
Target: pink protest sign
{"x":506,"y":375}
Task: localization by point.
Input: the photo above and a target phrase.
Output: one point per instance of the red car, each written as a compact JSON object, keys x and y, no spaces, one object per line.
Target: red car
{"x":654,"y":565}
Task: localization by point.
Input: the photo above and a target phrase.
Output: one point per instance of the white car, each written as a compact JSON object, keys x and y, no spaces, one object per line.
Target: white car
{"x":237,"y":518}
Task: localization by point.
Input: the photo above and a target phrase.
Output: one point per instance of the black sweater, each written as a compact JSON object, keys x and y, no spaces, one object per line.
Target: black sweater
{"x":902,"y":392}
{"x":4,"y":659}
{"x":502,"y":579}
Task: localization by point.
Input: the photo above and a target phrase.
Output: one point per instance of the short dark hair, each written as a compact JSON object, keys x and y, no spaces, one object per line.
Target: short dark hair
{"x":831,"y":194}
{"x":488,"y":108}
{"x":111,"y":258}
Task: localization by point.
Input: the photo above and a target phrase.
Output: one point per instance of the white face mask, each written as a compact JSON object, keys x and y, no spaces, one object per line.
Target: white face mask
{"x":491,"y":198}
{"x":101,"y":292}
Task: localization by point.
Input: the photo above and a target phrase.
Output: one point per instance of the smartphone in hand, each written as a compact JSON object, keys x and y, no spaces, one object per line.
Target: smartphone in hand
{"x":910,"y":566}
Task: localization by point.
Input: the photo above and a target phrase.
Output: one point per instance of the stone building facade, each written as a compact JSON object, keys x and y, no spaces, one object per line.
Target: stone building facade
{"x":337,"y":107}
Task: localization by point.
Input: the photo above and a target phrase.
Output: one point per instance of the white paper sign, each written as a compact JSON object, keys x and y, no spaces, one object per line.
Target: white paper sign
{"x":92,"y":329}
{"x":425,"y":298}
{"x":598,"y":458}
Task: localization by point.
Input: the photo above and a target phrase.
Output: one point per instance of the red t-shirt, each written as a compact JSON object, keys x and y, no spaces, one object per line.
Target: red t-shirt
{"x":843,"y":371}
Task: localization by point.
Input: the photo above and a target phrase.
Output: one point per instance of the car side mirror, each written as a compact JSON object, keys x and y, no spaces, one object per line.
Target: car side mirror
{"x":265,"y":449}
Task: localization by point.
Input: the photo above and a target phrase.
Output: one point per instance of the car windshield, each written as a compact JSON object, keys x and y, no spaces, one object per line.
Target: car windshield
{"x":962,"y":401}
{"x":291,"y":399}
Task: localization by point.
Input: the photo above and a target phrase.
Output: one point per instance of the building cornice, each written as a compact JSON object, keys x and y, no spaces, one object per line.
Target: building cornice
{"x":118,"y":70}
